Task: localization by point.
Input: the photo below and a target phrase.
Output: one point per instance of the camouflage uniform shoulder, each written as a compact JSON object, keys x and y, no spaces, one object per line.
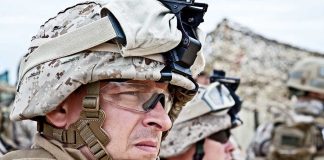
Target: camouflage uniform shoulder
{"x":30,"y":154}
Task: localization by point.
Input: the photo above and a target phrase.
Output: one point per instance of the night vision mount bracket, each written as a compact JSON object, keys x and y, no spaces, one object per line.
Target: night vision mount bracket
{"x":232,"y":84}
{"x":189,"y":15}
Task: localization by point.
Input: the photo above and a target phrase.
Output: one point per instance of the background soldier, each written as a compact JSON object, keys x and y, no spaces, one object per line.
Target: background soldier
{"x":203,"y":79}
{"x":297,"y":134}
{"x":202,"y":130}
{"x":7,"y":142}
{"x":105,"y":81}
{"x":13,"y":135}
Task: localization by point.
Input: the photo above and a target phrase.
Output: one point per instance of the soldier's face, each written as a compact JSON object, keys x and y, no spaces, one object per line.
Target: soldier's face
{"x":135,"y":135}
{"x":203,"y":80}
{"x":217,"y":151}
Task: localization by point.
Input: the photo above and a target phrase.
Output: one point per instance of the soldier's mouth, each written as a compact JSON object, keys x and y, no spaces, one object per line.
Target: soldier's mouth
{"x":147,"y":146}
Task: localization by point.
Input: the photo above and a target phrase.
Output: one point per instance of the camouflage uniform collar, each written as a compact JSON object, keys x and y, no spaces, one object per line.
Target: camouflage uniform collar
{"x":57,"y":149}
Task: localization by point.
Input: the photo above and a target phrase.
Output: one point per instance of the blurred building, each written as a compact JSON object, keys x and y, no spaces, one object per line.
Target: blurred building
{"x":261,"y":63}
{"x":7,"y":92}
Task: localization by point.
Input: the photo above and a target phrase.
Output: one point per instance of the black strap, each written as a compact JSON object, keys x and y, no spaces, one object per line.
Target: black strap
{"x":199,"y":154}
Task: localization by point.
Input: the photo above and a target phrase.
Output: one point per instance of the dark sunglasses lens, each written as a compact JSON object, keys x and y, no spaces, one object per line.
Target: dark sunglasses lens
{"x":221,"y":136}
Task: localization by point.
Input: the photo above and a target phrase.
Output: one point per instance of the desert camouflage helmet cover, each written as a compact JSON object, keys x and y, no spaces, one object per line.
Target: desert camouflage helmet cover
{"x":199,"y":119}
{"x":56,"y":65}
{"x":308,"y":75}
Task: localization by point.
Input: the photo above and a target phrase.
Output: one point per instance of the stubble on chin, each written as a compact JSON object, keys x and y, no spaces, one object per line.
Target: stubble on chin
{"x":144,"y":135}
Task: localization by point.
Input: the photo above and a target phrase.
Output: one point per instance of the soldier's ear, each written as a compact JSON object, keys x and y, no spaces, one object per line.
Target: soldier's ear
{"x":58,"y":117}
{"x":68,"y":112}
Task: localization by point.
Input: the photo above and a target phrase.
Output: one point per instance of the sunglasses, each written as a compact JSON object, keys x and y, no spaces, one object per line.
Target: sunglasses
{"x":135,"y":96}
{"x":221,"y":136}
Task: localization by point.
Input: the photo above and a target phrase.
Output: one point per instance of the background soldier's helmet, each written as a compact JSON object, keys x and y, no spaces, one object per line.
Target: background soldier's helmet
{"x":70,"y":50}
{"x":307,"y":75}
{"x":206,"y":114}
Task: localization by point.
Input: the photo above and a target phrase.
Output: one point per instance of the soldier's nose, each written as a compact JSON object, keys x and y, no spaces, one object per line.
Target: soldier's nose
{"x":157,"y":118}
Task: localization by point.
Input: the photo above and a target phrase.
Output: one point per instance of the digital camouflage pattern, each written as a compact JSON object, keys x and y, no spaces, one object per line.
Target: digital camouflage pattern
{"x":198,"y":120}
{"x":47,"y":76}
{"x":183,"y":135}
{"x":59,"y":78}
{"x":307,"y":75}
{"x":214,"y":97}
{"x":45,"y":86}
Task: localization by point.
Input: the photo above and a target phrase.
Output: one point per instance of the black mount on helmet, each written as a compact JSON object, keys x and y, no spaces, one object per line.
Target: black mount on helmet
{"x":232,"y":84}
{"x":229,"y":82}
{"x":189,"y":15}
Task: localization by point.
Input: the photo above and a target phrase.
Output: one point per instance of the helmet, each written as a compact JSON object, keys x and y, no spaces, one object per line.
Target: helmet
{"x":214,"y":98}
{"x":307,"y":75}
{"x":91,"y":41}
{"x":50,"y":72}
{"x":209,"y":112}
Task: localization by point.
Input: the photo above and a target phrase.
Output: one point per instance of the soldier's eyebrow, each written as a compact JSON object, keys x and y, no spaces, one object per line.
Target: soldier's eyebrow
{"x":115,"y":87}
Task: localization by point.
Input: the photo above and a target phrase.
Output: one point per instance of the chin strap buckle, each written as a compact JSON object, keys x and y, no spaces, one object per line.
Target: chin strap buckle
{"x":87,"y":130}
{"x":89,"y":125}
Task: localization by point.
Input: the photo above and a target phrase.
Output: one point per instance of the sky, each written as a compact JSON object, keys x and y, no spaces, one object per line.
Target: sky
{"x":297,"y":22}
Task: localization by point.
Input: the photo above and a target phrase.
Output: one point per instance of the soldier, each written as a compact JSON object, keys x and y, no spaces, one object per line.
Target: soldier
{"x":7,"y":142}
{"x":106,"y":81}
{"x":202,"y":130}
{"x":297,"y":134}
{"x":13,"y":135}
{"x":7,"y":93}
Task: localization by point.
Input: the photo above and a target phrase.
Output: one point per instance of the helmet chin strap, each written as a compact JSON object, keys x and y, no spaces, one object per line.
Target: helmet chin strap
{"x":87,"y":130}
{"x":199,"y":152}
